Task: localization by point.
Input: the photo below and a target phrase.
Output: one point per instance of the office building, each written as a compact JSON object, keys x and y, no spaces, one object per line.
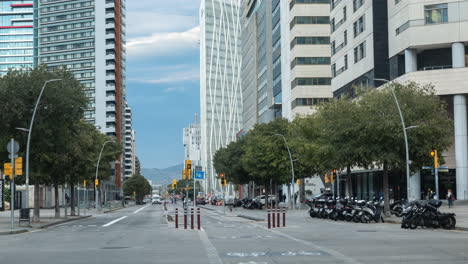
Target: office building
{"x":220,"y":80}
{"x":428,"y":44}
{"x":16,"y":35}
{"x":192,"y":142}
{"x":359,"y":44}
{"x":87,"y":37}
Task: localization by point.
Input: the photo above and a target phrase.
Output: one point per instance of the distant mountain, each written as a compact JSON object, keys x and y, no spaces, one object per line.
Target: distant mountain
{"x":163,"y":176}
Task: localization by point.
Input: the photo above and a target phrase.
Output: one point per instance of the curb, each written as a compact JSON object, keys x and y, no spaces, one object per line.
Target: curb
{"x":14,"y":232}
{"x":211,"y":209}
{"x":62,"y":222}
{"x":251,"y":218}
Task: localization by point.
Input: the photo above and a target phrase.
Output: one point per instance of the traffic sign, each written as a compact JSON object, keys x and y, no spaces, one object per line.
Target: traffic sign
{"x":13,"y":148}
{"x":200,"y":175}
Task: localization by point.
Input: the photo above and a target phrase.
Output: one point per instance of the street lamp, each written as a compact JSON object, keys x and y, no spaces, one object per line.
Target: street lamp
{"x":29,"y":136}
{"x":405,"y":136}
{"x":98,"y":207}
{"x":293,"y":202}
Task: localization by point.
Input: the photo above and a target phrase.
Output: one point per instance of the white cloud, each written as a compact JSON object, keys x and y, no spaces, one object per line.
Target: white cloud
{"x":164,"y":44}
{"x":173,"y":77}
{"x":175,"y":89}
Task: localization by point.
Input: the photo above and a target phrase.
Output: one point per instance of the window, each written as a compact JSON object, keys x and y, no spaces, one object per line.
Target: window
{"x":359,"y":26}
{"x":357,"y":4}
{"x":311,"y":81}
{"x":333,"y":70}
{"x":360,"y":52}
{"x":344,"y":13}
{"x":310,"y":41}
{"x":346,"y":62}
{"x":293,"y":2}
{"x":434,"y":14}
{"x":309,"y":20}
{"x":402,"y":28}
{"x":345,"y":37}
{"x":307,"y":102}
{"x":397,"y":1}
{"x":310,"y":61}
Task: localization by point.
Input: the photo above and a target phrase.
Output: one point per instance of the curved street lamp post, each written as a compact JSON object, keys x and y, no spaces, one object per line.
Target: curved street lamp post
{"x":98,"y":206}
{"x":293,"y":202}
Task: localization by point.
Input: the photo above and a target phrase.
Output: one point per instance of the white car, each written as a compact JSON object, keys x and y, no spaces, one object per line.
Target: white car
{"x":271,"y":199}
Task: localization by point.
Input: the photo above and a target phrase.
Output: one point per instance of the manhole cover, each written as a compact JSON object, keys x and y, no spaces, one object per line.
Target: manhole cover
{"x":114,"y":247}
{"x":366,"y":231}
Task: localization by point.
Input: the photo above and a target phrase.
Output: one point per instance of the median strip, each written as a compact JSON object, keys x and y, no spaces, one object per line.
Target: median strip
{"x":114,"y":221}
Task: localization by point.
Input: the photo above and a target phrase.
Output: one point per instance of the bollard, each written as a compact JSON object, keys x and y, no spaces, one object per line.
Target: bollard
{"x":191,"y":218}
{"x":278,"y":212}
{"x":269,"y":223}
{"x":273,"y":216}
{"x":284,"y":216}
{"x":198,"y":218}
{"x":185,"y":218}
{"x":177,"y":218}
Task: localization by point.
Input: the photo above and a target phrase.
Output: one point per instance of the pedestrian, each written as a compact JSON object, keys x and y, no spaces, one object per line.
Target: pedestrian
{"x":450,"y":198}
{"x":284,"y":198}
{"x":67,"y":198}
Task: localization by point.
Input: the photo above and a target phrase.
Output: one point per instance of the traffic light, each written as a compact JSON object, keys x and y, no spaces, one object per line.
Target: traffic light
{"x":333,"y":176}
{"x":433,"y":154}
{"x":223,"y":179}
{"x":298,"y":181}
{"x":327,"y":180}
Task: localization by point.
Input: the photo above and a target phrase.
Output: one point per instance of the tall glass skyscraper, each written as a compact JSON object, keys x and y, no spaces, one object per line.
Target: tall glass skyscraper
{"x":220,"y":79}
{"x":16,"y":35}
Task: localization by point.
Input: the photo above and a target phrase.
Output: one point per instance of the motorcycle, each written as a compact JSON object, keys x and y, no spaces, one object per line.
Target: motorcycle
{"x":427,"y":215}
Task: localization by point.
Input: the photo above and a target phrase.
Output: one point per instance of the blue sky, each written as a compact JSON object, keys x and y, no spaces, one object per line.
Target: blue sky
{"x":162,"y":76}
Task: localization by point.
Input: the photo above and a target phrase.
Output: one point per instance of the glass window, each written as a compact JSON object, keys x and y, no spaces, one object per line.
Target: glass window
{"x":360,"y":52}
{"x":357,"y":4}
{"x":434,"y":14}
{"x":359,"y":26}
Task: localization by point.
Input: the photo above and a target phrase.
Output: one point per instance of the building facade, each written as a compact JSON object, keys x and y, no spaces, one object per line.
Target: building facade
{"x":220,"y":79}
{"x":87,"y":37}
{"x":309,"y":81}
{"x":192,"y":142}
{"x":129,"y":146}
{"x":428,"y":44}
{"x":16,"y":35}
{"x":359,"y":44}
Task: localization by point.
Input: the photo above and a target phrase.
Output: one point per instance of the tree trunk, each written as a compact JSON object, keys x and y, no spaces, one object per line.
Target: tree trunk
{"x":57,"y":201}
{"x":36,"y":211}
{"x":349,"y":182}
{"x":386,"y":190}
{"x":72,"y":199}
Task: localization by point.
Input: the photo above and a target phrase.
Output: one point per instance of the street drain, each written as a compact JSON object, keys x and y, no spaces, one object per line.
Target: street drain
{"x":114,"y":247}
{"x":366,"y":231}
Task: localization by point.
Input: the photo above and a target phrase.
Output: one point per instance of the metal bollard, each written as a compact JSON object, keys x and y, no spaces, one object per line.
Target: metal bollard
{"x":269,"y":223}
{"x":191,"y":218}
{"x":278,"y":212}
{"x":284,"y":216}
{"x":177,"y":218}
{"x":198,"y":218}
{"x":273,"y":216}
{"x":185,"y":218}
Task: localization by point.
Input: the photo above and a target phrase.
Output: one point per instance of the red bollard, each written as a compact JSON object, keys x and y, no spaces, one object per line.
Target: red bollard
{"x":185,"y":218}
{"x":278,"y":212}
{"x":273,"y":216}
{"x":284,"y":216}
{"x":177,"y":218}
{"x":191,"y":219}
{"x":198,"y":216}
{"x":269,"y":223}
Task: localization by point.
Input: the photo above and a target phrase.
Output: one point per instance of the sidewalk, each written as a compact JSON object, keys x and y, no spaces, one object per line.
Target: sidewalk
{"x":461,"y":212}
{"x":47,"y":219}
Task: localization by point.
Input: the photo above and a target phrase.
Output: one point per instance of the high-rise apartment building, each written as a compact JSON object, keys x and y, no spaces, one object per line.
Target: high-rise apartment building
{"x":428,"y":44}
{"x":192,"y":142}
{"x":220,"y":79}
{"x":307,"y":54}
{"x":88,"y":37}
{"x":129,"y":144}
{"x":359,"y":44}
{"x":16,"y":35}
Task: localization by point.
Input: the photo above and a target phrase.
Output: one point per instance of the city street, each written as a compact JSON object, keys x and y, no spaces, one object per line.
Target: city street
{"x":140,"y":234}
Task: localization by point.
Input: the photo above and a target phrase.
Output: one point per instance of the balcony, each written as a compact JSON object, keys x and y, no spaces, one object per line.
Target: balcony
{"x":110,"y":46}
{"x":110,"y":88}
{"x":110,"y":118}
{"x":110,"y":98}
{"x":110,"y":25}
{"x":110,"y":66}
{"x":110,"y":108}
{"x":110,"y":56}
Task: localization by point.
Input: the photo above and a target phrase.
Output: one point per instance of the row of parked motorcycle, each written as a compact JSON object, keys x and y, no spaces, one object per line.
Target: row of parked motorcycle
{"x":417,"y":213}
{"x":248,"y":203}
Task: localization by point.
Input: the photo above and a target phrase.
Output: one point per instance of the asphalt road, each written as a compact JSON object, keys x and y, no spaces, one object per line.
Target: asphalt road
{"x":140,"y":235}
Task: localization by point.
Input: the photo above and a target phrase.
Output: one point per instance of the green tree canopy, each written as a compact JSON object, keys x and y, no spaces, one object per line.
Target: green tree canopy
{"x":139,"y":185}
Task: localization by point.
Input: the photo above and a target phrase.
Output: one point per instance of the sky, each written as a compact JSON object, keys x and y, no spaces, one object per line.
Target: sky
{"x":162,"y":76}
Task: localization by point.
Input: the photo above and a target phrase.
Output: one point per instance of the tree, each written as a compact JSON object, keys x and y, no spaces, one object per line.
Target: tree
{"x":228,"y":160}
{"x":139,"y":185}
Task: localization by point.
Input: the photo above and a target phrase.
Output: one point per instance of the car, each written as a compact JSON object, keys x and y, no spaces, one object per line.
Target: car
{"x":271,"y":198}
{"x":319,"y":196}
{"x":200,"y":201}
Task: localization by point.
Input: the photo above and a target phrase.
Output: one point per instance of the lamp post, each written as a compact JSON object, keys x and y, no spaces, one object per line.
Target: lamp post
{"x":293,"y":202}
{"x":98,"y":207}
{"x":405,"y":136}
{"x":29,"y":136}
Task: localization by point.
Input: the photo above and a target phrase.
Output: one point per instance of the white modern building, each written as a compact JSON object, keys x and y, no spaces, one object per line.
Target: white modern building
{"x":220,"y":80}
{"x":192,"y":142}
{"x":428,"y":44}
{"x":129,"y":145}
{"x":359,"y":44}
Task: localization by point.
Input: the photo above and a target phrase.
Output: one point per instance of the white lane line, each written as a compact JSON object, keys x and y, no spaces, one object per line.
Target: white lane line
{"x":140,"y":209}
{"x":115,"y":221}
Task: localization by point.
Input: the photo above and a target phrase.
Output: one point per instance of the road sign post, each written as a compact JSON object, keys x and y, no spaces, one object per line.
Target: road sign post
{"x":13,"y":148}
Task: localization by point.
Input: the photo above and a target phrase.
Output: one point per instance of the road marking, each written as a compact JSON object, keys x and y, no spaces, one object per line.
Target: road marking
{"x":115,"y":221}
{"x":211,"y":252}
{"x":140,"y":209}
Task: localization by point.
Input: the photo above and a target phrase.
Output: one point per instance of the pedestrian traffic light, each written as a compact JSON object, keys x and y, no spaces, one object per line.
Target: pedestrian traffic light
{"x":433,"y":154}
{"x":333,"y":176}
{"x":298,"y":181}
{"x":96,"y":182}
{"x":84,"y":183}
